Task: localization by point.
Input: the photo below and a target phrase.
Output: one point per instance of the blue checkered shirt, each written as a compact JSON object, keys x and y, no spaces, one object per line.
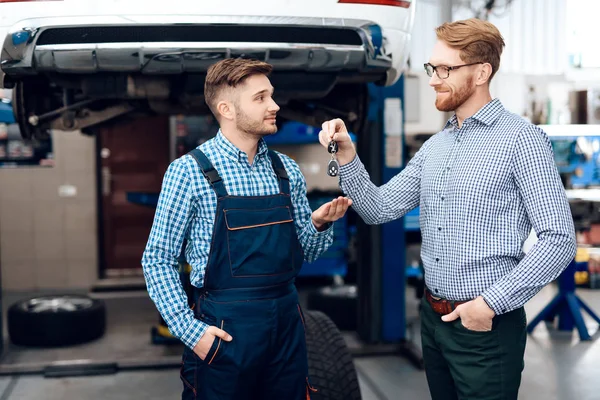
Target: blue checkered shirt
{"x":186,"y":208}
{"x":481,"y":188}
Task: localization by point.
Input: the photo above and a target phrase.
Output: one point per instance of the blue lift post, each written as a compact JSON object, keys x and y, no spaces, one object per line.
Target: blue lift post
{"x":393,"y":263}
{"x":382,"y":256}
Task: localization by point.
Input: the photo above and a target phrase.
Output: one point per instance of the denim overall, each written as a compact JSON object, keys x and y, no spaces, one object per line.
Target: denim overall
{"x":249,"y":292}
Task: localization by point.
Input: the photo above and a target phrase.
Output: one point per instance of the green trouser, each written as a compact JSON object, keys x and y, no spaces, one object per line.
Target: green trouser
{"x":467,"y":365}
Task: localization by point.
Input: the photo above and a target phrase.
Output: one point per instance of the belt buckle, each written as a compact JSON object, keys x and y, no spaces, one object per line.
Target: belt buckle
{"x":434,"y":297}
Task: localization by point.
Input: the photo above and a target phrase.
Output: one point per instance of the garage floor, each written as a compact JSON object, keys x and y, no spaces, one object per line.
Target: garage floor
{"x":558,"y":365}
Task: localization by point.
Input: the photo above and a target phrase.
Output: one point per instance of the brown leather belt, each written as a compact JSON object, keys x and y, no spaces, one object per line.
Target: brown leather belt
{"x":441,"y":306}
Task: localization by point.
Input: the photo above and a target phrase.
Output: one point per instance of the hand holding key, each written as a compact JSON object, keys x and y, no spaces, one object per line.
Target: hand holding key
{"x":335,"y":131}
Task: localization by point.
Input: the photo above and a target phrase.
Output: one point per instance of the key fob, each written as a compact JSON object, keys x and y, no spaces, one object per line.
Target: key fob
{"x":333,"y":168}
{"x":333,"y":147}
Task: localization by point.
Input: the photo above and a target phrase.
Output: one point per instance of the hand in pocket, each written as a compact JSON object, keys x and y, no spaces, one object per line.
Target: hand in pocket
{"x":206,"y":341}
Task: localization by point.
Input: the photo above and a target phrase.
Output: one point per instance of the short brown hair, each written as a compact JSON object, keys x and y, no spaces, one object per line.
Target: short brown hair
{"x":229,"y":73}
{"x":476,"y":39}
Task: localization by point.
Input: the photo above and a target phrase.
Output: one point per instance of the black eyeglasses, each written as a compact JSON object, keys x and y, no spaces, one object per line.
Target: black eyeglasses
{"x":443,"y":71}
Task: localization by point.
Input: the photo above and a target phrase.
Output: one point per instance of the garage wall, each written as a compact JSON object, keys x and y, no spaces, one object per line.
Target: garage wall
{"x":525,"y":55}
{"x":47,"y":240}
{"x":535,"y":33}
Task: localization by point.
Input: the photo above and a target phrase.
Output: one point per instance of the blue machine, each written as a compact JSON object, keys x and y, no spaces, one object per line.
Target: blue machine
{"x":6,"y":113}
{"x":577,"y":156}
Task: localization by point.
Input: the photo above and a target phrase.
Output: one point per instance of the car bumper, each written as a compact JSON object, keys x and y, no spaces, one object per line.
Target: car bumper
{"x":179,"y":44}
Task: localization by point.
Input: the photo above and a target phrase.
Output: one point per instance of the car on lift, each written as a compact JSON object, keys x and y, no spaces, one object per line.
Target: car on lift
{"x":80,"y":65}
{"x":75,"y":65}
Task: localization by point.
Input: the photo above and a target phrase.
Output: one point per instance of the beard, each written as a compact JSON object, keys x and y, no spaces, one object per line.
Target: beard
{"x":244,"y":123}
{"x":457,"y":99}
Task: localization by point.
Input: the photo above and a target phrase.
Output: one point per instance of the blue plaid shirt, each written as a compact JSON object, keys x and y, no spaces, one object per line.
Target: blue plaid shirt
{"x":481,"y":188}
{"x":186,"y":208}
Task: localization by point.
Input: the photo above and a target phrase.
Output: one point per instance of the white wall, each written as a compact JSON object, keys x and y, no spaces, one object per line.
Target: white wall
{"x":535,"y":33}
{"x":428,"y":15}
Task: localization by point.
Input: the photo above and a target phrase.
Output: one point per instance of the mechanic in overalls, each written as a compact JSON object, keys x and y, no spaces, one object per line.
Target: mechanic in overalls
{"x":243,"y":210}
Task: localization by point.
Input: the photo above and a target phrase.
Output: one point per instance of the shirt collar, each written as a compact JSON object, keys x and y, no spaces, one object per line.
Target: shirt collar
{"x":487,"y":114}
{"x":229,"y":150}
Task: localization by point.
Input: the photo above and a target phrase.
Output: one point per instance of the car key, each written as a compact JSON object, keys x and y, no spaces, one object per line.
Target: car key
{"x":333,"y":167}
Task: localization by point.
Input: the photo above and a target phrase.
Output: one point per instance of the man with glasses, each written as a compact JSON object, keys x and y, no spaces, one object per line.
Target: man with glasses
{"x":482,"y":184}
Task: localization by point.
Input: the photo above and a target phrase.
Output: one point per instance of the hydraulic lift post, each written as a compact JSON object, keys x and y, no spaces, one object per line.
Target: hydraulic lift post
{"x":381,"y":277}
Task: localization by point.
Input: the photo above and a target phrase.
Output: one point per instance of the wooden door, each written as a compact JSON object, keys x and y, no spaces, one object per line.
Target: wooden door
{"x":134,"y":157}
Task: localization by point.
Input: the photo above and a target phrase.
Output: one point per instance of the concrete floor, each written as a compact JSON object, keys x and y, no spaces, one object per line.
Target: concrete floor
{"x":558,"y":365}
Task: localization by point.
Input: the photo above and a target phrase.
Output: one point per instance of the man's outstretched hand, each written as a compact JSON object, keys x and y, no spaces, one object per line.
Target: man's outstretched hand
{"x":330,"y":212}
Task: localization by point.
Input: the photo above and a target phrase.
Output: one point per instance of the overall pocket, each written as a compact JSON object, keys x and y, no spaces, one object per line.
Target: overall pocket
{"x":215,"y":348}
{"x":260,"y":242}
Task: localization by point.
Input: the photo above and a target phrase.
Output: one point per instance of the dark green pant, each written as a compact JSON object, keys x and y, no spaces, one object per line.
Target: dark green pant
{"x":466,"y":365}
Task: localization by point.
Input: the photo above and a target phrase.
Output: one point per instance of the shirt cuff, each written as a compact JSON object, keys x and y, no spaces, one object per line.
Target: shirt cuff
{"x":312,"y":229}
{"x":496,"y":300}
{"x":193,"y":333}
{"x":352,"y":168}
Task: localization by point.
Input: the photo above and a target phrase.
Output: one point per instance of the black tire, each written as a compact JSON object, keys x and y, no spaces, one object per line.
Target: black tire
{"x":330,"y":365}
{"x":338,"y":302}
{"x":56,"y":320}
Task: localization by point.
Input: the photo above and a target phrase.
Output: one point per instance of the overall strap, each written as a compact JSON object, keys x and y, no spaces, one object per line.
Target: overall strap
{"x":284,"y":180}
{"x":210,"y":173}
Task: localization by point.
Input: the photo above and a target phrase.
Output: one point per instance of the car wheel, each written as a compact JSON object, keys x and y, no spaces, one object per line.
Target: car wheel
{"x":330,"y":364}
{"x":56,"y":320}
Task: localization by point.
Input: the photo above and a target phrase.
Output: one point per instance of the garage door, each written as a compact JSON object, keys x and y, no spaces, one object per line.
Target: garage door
{"x":134,"y":157}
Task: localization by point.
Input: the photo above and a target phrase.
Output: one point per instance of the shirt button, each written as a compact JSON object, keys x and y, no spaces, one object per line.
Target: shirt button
{"x":447,"y":168}
{"x":437,"y":291}
{"x":437,"y":259}
{"x":443,"y":197}
{"x":439,"y":229}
